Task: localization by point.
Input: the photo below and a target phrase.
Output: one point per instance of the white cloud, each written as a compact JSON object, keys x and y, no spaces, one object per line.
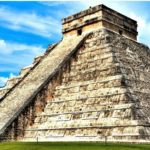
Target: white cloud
{"x":29,"y":22}
{"x":11,"y":75}
{"x":143,"y":28}
{"x":3,"y":80}
{"x":52,"y":3}
{"x":11,"y":61}
{"x":14,"y":56}
{"x":10,"y":47}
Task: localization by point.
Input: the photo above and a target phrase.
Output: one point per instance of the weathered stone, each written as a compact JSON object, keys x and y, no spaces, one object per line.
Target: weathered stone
{"x":88,"y":87}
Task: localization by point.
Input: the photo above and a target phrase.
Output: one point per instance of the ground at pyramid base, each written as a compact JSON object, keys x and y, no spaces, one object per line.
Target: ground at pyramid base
{"x":94,"y":85}
{"x":72,"y":146}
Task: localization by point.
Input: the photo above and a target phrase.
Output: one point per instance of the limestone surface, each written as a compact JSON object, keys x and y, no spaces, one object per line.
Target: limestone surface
{"x":91,"y":86}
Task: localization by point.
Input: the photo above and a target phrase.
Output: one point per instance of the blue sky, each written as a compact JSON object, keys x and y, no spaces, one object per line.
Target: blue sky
{"x":27,"y":28}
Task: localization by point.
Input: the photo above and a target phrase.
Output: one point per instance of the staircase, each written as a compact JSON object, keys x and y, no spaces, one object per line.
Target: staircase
{"x":30,"y":85}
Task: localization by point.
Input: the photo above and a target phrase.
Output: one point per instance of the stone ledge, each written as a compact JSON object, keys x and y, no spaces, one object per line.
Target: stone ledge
{"x":77,"y":84}
{"x":93,"y":10}
{"x":110,"y":108}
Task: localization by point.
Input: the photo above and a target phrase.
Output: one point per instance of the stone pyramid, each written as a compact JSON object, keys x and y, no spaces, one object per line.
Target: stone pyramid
{"x":94,"y":85}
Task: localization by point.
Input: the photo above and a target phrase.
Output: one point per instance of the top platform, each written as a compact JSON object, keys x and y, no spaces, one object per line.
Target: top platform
{"x":99,"y":17}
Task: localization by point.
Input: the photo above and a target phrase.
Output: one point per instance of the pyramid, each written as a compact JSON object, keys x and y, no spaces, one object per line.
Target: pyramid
{"x":93,"y":85}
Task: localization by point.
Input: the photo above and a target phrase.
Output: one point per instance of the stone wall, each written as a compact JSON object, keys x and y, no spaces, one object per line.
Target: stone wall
{"x":135,"y":59}
{"x":99,"y":17}
{"x":96,"y":98}
{"x":11,"y":82}
{"x":100,"y":93}
{"x":30,"y":85}
{"x":87,"y":87}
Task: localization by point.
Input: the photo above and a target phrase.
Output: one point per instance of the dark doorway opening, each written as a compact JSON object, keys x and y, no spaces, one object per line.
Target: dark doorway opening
{"x":120,"y":32}
{"x":79,"y":32}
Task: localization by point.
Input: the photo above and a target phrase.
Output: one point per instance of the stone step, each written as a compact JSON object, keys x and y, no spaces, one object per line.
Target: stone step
{"x":99,"y":63}
{"x":83,"y":132}
{"x":90,"y":73}
{"x":26,"y":69}
{"x":3,"y":91}
{"x":103,"y":99}
{"x":98,"y":109}
{"x":102,"y":68}
{"x":89,"y":87}
{"x":14,"y":102}
{"x":100,"y":124}
{"x":126,"y":135}
{"x":12,"y":81}
{"x":93,"y":94}
{"x":78,"y":84}
{"x":9,"y":84}
{"x":94,"y":58}
{"x":97,"y":50}
{"x":38,"y":58}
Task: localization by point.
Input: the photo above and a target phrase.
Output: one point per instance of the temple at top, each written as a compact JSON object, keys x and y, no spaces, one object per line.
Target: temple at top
{"x":99,"y":17}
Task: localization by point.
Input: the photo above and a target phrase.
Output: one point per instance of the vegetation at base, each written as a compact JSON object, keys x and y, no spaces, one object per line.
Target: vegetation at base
{"x":70,"y":146}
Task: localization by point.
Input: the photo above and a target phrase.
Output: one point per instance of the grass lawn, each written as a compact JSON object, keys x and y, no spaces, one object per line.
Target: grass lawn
{"x":71,"y":146}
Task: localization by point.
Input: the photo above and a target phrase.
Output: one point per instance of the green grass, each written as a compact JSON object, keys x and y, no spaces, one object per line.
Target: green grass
{"x":71,"y":146}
